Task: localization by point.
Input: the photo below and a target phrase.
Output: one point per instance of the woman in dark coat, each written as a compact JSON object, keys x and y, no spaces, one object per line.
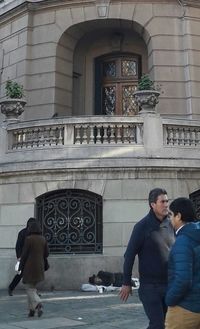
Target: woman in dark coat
{"x":32,"y":265}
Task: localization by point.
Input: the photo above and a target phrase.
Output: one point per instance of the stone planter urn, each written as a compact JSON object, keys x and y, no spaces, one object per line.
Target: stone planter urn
{"x":146,"y":100}
{"x":12,"y":108}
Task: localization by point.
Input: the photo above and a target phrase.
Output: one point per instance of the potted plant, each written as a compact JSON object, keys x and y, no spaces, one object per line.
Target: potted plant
{"x":13,"y":106}
{"x":146,"y":95}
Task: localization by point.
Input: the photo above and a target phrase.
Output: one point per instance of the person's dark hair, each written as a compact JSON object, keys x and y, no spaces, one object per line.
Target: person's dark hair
{"x":185,"y":207}
{"x":154,"y":194}
{"x":30,"y":221}
{"x":91,"y":279}
{"x":34,"y":228}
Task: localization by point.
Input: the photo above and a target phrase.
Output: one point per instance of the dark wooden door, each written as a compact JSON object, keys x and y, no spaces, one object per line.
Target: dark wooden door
{"x":117,"y":77}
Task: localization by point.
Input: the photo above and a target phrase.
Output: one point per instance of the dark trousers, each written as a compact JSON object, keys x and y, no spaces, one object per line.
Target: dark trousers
{"x":17,"y":278}
{"x":152,"y":297}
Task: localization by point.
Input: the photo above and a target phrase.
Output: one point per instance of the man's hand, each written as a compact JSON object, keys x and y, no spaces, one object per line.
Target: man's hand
{"x":125,"y":292}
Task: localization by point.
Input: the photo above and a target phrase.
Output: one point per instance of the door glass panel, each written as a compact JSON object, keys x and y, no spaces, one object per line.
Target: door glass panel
{"x":109,"y":69}
{"x":128,"y":68}
{"x":128,"y":103}
{"x":109,"y":99}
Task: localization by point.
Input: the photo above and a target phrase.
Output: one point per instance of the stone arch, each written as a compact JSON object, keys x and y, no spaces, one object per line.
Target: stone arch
{"x":76,"y":51}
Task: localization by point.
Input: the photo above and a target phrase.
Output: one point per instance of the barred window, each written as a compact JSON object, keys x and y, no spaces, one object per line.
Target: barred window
{"x":71,"y":221}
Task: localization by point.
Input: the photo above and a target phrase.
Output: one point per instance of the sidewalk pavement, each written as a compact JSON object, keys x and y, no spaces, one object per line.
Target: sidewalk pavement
{"x":73,"y":310}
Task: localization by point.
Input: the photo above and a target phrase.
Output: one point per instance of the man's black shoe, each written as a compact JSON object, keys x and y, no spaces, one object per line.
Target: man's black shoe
{"x":10,"y":293}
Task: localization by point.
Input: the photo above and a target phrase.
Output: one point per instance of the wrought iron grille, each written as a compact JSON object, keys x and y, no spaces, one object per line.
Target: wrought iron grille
{"x":71,"y":221}
{"x":195,"y":198}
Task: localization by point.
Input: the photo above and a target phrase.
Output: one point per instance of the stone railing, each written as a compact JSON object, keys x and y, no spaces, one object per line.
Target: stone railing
{"x":75,"y":131}
{"x":152,"y":132}
{"x":181,"y":133}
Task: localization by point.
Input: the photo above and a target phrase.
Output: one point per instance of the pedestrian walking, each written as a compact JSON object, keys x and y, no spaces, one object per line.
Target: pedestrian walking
{"x":18,"y":249}
{"x":183,"y":293}
{"x":151,"y":239}
{"x":32,"y":265}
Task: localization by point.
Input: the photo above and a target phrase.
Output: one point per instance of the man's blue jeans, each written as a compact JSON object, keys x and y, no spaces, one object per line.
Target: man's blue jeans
{"x":152,"y":297}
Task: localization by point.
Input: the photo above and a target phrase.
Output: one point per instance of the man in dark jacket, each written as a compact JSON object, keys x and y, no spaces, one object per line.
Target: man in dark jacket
{"x":151,"y":240}
{"x":18,"y":249}
{"x":183,"y":294}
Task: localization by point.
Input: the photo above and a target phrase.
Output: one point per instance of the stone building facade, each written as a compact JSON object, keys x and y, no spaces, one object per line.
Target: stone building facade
{"x":81,"y":157}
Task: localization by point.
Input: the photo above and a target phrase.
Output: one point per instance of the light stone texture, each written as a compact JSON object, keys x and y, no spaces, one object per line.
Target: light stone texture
{"x":143,"y":14}
{"x":16,"y":214}
{"x":120,"y":211}
{"x":112,"y":234}
{"x":19,"y":24}
{"x":43,"y":18}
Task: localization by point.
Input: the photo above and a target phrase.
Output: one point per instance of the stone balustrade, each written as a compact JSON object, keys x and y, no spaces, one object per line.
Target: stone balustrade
{"x":111,"y":130}
{"x":98,"y":131}
{"x":180,"y":133}
{"x":99,"y":141}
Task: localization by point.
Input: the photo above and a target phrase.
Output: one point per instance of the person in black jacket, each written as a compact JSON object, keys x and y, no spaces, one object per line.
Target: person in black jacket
{"x":18,"y":249}
{"x":106,"y":279}
{"x":151,"y":240}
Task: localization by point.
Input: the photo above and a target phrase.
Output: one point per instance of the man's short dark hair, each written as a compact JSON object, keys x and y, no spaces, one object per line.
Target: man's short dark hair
{"x":34,"y":227}
{"x":154,"y":194}
{"x":30,"y":221}
{"x":185,"y":207}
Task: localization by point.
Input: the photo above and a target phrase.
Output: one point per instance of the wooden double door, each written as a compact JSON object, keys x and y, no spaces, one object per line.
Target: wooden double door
{"x":116,"y":80}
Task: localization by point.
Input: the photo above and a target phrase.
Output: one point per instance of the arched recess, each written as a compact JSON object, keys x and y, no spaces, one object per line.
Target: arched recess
{"x":71,"y":221}
{"x":77,"y":50}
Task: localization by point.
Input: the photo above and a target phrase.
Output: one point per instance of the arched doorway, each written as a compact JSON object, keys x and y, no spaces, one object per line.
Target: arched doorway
{"x":78,"y":74}
{"x":116,"y":77}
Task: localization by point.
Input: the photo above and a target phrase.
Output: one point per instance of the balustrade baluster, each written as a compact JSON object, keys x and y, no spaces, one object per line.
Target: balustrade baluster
{"x":77,"y":134}
{"x":192,"y":137}
{"x":19,"y":141}
{"x":176,"y":136}
{"x":85,"y":134}
{"x":91,"y":139}
{"x":170,"y":135}
{"x":187,"y":136}
{"x":60,"y":140}
{"x":129,"y":134}
{"x":112,"y":134}
{"x":181,"y":136}
{"x":52,"y":136}
{"x":35,"y":138}
{"x":197,"y":136}
{"x":119,"y":134}
{"x":98,"y":137}
{"x":41,"y":141}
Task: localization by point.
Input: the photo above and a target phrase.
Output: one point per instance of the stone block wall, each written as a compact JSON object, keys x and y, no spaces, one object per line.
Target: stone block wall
{"x":124,"y":203}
